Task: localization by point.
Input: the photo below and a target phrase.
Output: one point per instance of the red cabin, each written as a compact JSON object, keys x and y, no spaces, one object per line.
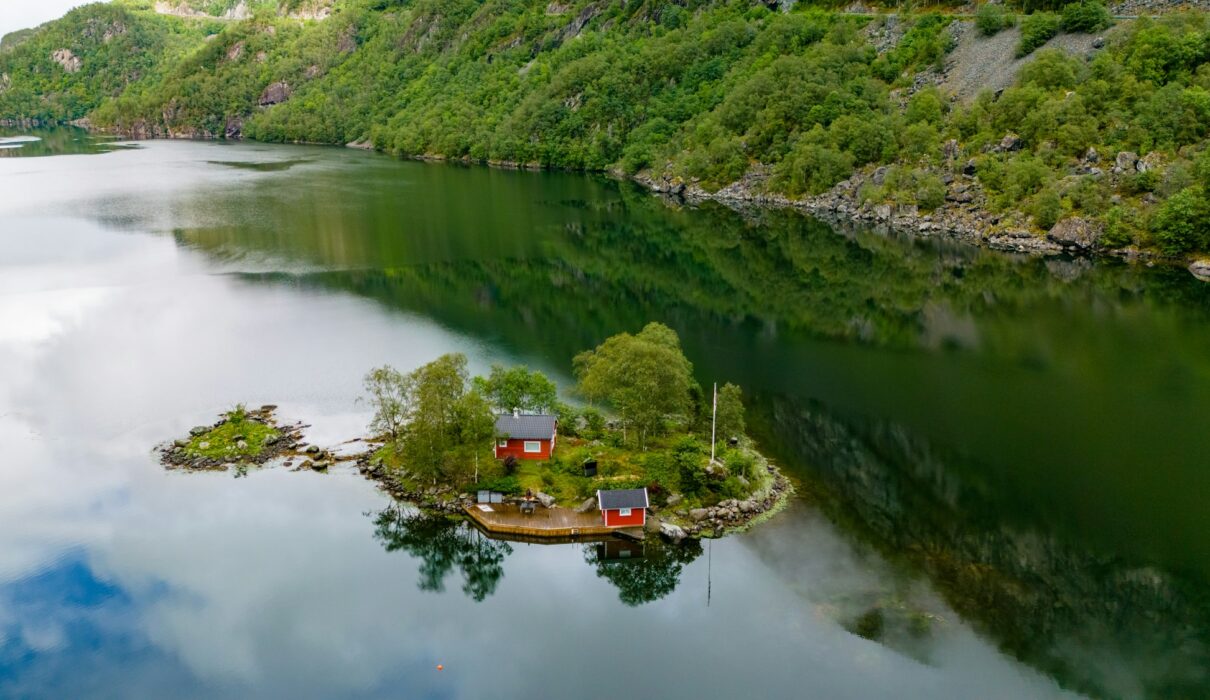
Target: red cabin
{"x":623,"y":507}
{"x":525,"y":436}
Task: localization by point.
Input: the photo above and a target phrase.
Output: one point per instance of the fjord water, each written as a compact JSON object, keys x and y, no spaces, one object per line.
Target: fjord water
{"x":1002,"y":462}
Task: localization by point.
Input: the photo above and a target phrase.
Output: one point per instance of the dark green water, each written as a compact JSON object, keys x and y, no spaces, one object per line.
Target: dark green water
{"x":1013,"y":449}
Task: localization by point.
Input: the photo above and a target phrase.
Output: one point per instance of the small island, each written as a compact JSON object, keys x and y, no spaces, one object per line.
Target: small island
{"x":648,"y":451}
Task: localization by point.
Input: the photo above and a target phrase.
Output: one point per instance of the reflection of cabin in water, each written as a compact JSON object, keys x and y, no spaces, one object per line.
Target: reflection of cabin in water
{"x":525,"y":436}
{"x":623,"y":507}
{"x":619,"y":550}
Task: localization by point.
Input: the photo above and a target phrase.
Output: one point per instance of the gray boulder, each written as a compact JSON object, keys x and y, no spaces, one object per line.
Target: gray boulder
{"x":699,"y":514}
{"x":1125,"y":162}
{"x":199,"y":430}
{"x":546,"y":500}
{"x":673,"y":533}
{"x":275,"y":93}
{"x":589,"y":505}
{"x":1011,"y":142}
{"x":674,"y":499}
{"x":1078,"y":233}
{"x":1200,"y":269}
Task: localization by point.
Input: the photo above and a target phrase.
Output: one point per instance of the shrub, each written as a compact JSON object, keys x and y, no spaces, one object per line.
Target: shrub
{"x":930,"y":191}
{"x":506,"y":484}
{"x":688,"y":457}
{"x":1085,"y":16}
{"x":811,"y":168}
{"x":990,"y":18}
{"x":1183,"y":223}
{"x":594,"y":424}
{"x":1036,"y":30}
{"x":1046,"y":208}
{"x":739,"y":463}
{"x":1121,"y":227}
{"x":732,"y":487}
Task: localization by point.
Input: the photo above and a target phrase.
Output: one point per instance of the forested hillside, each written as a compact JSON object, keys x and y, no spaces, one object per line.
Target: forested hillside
{"x":783,"y":101}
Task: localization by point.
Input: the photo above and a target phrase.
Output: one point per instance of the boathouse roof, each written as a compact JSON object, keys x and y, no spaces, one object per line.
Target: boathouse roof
{"x":622,"y":498}
{"x":525,"y":426}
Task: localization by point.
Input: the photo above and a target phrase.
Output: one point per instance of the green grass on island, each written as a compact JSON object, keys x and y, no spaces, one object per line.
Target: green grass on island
{"x":237,"y":436}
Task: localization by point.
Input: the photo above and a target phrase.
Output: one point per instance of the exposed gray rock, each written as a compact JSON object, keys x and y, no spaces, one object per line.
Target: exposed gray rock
{"x":1076,"y":232}
{"x":199,"y":430}
{"x":1011,"y":142}
{"x":699,"y":514}
{"x":67,"y":60}
{"x":674,"y":499}
{"x":275,"y":93}
{"x":1125,"y":162}
{"x":673,"y":533}
{"x":589,"y":504}
{"x":1200,"y":269}
{"x":546,"y":500}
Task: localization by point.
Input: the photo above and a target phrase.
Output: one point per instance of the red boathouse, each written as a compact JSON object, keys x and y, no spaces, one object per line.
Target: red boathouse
{"x":623,"y":507}
{"x":525,"y":436}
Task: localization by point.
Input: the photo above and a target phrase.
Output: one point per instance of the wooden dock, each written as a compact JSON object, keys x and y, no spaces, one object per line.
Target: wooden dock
{"x":507,"y":521}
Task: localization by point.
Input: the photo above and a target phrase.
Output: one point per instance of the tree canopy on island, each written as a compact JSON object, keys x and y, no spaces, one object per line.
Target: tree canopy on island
{"x":520,"y":388}
{"x":646,"y":378}
{"x":435,"y":418}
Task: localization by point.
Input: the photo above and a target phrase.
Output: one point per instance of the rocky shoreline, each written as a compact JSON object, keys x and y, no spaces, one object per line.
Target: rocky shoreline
{"x":963,"y":216}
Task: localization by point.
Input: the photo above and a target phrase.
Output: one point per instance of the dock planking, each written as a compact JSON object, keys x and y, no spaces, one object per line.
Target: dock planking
{"x":545,"y":523}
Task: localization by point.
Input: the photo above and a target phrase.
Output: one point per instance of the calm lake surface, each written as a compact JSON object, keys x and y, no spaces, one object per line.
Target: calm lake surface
{"x":1004,"y":463}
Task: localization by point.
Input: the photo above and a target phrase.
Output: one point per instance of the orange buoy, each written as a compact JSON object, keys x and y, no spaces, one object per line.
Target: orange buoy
{"x":440,"y":667}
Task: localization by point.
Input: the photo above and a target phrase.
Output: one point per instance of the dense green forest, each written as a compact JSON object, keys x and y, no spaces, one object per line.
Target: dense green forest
{"x":699,"y":91}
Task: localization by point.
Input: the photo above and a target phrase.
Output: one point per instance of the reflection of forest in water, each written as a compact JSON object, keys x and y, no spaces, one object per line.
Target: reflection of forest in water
{"x":1027,"y":432}
{"x":642,"y":572}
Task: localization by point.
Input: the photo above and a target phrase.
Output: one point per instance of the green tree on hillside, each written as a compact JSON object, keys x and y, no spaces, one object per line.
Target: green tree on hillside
{"x":644,"y":377}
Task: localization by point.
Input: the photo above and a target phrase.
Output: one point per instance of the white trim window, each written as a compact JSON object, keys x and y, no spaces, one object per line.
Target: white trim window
{"x":533,"y":446}
{"x":502,"y":442}
{"x":623,"y":512}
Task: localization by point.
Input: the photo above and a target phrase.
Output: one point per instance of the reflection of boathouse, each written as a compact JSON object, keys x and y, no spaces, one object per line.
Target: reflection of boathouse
{"x":619,"y":550}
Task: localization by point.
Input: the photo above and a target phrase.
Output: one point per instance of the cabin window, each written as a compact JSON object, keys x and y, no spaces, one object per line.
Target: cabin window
{"x":624,"y":512}
{"x":533,"y":446}
{"x":502,"y":442}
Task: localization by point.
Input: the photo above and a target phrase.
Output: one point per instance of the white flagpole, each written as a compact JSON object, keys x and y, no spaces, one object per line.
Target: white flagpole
{"x":714,"y":424}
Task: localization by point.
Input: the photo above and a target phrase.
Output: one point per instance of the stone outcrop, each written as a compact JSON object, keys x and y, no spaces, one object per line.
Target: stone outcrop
{"x":275,"y":93}
{"x":1077,"y":234}
{"x":1201,"y":269}
{"x":67,"y":60}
